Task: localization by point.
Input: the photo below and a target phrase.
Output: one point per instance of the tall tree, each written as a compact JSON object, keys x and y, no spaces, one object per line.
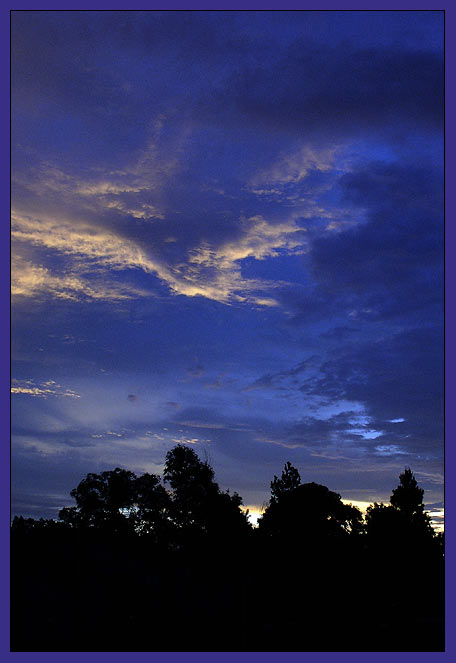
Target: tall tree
{"x":289,"y":480}
{"x":407,"y":499}
{"x":198,"y":504}
{"x":404,"y":519}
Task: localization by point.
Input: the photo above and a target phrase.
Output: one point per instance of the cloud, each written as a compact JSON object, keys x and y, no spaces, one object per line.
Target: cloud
{"x":131,"y":215}
{"x":281,"y":377}
{"x":401,"y":242}
{"x":186,"y":440}
{"x":389,"y":450}
{"x":291,"y":76}
{"x":258,"y":239}
{"x":334,"y":91}
{"x":91,"y":248}
{"x":29,"y":280}
{"x":42,"y":389}
{"x":394,"y":378}
{"x":293,"y":167}
{"x":209,"y":271}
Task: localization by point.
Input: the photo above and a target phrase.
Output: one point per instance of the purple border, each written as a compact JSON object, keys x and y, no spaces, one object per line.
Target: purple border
{"x":247,"y":657}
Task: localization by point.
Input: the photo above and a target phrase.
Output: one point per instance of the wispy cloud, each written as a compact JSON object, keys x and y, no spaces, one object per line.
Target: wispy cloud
{"x":215,"y":425}
{"x":209,"y":271}
{"x":186,"y":440}
{"x":41,"y":389}
{"x":30,"y":280}
{"x":293,"y":167}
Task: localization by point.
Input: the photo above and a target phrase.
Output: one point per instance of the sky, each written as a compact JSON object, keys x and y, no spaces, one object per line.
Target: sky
{"x":227,"y":232}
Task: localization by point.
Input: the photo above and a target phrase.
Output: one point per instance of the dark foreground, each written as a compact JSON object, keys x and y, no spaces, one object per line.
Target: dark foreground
{"x":135,"y":566}
{"x":82,"y":592}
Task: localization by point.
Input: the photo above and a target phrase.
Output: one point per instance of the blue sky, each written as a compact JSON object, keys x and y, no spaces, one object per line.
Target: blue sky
{"x":227,"y":231}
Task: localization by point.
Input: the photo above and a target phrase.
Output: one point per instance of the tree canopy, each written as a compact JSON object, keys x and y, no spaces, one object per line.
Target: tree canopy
{"x":197,"y":503}
{"x":119,"y":501}
{"x":309,"y":510}
{"x":102,"y":500}
{"x":404,"y":519}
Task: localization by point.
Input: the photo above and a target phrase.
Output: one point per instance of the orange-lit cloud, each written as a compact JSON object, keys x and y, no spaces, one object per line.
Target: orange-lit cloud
{"x":42,"y":389}
{"x":213,"y":272}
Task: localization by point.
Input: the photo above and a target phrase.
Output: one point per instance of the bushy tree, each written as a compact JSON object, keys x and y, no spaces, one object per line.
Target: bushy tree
{"x":383,"y":523}
{"x":24,"y":526}
{"x":309,"y":511}
{"x":118,"y":500}
{"x":198,"y":504}
{"x":152,"y":507}
{"x":103,"y":501}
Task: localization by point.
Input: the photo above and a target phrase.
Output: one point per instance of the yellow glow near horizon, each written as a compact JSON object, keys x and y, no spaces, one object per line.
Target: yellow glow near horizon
{"x":256,"y":511}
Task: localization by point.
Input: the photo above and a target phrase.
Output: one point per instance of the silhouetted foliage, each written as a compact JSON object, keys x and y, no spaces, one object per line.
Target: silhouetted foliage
{"x":309,"y":511}
{"x":383,"y":522}
{"x":407,"y":498}
{"x":404,"y":520}
{"x":289,"y":480}
{"x":119,"y":501}
{"x":103,"y":501}
{"x":408,"y":558}
{"x":152,"y":507}
{"x":137,"y":566}
{"x":198,"y":506}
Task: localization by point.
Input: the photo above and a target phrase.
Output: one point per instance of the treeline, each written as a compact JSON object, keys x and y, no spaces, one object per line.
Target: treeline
{"x":141,"y":564}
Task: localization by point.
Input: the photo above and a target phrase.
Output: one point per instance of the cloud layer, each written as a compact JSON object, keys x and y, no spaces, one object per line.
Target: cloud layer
{"x":228,"y":231}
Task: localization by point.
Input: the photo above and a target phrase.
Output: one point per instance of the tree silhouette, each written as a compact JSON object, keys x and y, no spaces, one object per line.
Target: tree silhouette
{"x":383,"y":524}
{"x":198,"y":505}
{"x":407,"y":557}
{"x":407,"y":498}
{"x":404,"y":519}
{"x":309,"y":511}
{"x":289,"y":480}
{"x":119,"y":501}
{"x":152,"y":507}
{"x":103,"y":501}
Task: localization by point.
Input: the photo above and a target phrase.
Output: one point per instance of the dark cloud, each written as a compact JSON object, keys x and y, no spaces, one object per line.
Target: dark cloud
{"x":402,"y":239}
{"x":386,"y":268}
{"x":400,"y":376}
{"x":216,"y":69}
{"x":348,"y":90}
{"x":277,"y":379}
